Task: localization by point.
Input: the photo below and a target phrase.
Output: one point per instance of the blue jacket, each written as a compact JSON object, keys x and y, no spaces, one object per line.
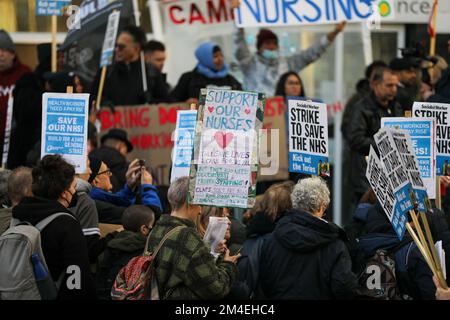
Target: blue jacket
{"x":126,"y":197}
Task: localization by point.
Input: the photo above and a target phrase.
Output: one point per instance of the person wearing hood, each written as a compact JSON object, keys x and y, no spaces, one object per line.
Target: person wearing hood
{"x":211,"y":71}
{"x":276,"y":201}
{"x":63,"y":243}
{"x":306,"y":257}
{"x":137,"y":222}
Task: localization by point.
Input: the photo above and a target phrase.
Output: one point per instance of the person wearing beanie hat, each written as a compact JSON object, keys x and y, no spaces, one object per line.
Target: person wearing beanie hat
{"x":210,"y":71}
{"x":11,"y":71}
{"x":263,"y":69}
{"x":407,"y":70}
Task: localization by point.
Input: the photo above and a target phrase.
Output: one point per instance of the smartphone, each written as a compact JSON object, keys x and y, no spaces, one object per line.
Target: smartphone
{"x":142,"y":163}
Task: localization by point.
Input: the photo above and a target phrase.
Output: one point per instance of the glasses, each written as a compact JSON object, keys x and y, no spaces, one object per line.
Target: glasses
{"x":289,"y":83}
{"x":120,"y":46}
{"x":107,"y":172}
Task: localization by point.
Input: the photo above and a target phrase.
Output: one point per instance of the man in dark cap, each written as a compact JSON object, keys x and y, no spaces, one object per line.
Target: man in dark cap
{"x":11,"y":70}
{"x":263,"y":69}
{"x":408,"y":88}
{"x":115,"y":146}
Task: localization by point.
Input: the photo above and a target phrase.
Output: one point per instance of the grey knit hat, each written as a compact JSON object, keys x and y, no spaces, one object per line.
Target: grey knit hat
{"x":6,"y":42}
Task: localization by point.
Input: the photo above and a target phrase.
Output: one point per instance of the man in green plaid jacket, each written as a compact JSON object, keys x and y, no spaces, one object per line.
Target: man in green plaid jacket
{"x":185,"y":268}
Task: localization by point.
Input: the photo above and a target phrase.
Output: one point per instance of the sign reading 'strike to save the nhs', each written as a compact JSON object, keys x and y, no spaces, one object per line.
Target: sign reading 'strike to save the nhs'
{"x":252,"y":13}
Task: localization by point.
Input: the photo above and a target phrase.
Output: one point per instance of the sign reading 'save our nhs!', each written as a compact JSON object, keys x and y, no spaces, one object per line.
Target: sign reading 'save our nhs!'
{"x":302,"y":12}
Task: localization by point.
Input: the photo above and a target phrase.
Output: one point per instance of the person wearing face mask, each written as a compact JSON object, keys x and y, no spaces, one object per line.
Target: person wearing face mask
{"x":137,"y":221}
{"x":63,"y":243}
{"x":263,"y":69}
{"x":211,"y":71}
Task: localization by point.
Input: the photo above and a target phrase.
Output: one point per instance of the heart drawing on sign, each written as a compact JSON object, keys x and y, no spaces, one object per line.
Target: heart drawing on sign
{"x":223,"y":139}
{"x":247,"y":111}
{"x":211,"y":109}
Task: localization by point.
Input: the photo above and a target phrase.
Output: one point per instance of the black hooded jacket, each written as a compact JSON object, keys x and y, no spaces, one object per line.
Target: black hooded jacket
{"x":63,"y":245}
{"x":306,"y":258}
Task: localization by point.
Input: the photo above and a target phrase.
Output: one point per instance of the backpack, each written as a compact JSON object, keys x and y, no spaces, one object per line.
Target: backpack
{"x":139,"y":275}
{"x":25,"y":272}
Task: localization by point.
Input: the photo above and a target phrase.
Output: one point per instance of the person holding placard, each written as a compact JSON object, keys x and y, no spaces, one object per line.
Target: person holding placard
{"x":123,"y":84}
{"x":263,"y":69}
{"x":365,"y":121}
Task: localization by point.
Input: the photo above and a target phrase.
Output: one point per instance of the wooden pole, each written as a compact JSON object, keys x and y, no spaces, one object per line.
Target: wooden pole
{"x":54,"y":44}
{"x":433,"y":24}
{"x":100,"y":89}
{"x":438,"y":199}
{"x":437,"y":261}
{"x":421,"y":236}
{"x":421,"y":249}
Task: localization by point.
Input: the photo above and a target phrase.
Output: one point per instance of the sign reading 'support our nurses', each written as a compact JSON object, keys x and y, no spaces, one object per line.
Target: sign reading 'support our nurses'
{"x":51,"y":7}
{"x":253,"y":13}
{"x":308,"y":137}
{"x":65,"y":127}
{"x":226,"y":158}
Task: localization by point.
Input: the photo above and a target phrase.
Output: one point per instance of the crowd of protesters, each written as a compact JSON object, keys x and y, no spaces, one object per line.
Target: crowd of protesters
{"x":285,"y":248}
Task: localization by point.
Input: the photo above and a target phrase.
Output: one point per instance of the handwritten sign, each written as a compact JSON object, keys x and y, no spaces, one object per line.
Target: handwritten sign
{"x":110,"y":39}
{"x":64,"y":127}
{"x":257,"y":13}
{"x":184,"y":143}
{"x":441,"y":113}
{"x":51,"y":7}
{"x":225,"y":161}
{"x":150,"y":129}
{"x":423,"y":139}
{"x":379,"y":181}
{"x":308,"y":137}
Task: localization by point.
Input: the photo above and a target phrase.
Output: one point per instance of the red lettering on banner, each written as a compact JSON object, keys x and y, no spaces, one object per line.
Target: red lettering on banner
{"x":217,"y":13}
{"x":168,"y":116}
{"x":198,"y":15}
{"x":105,"y":119}
{"x":172,"y":15}
{"x":274,"y":107}
{"x":118,"y":120}
{"x":152,"y":141}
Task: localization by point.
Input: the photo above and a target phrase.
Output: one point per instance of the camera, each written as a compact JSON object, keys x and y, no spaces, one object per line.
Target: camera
{"x":142,"y":163}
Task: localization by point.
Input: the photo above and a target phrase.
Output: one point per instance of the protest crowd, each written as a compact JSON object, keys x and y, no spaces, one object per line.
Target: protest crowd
{"x":114,"y":222}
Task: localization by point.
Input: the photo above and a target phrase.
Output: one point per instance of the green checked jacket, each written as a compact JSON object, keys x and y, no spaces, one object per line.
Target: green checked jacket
{"x":185,"y":269}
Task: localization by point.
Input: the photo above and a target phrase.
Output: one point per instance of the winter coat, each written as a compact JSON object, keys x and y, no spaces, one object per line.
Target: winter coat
{"x":414,"y":275}
{"x":191,"y":83}
{"x":185,"y":268}
{"x":116,"y":162}
{"x":86,"y":213}
{"x":364,"y":123}
{"x":123,"y":85}
{"x":63,"y":244}
{"x":5,"y":219}
{"x":306,"y":258}
{"x":8,"y":80}
{"x":118,"y":253}
{"x":262,"y":75}
{"x":27,"y":119}
{"x":406,"y":95}
{"x":108,"y":212}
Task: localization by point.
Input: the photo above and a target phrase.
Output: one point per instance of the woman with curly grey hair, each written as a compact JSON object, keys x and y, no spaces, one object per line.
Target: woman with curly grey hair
{"x":306,"y":256}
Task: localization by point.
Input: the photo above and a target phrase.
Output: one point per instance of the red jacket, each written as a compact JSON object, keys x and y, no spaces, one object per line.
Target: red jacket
{"x":8,"y":80}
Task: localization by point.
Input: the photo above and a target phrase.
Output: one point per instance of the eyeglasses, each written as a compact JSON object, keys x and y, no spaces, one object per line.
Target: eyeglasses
{"x":120,"y":46}
{"x":107,"y":172}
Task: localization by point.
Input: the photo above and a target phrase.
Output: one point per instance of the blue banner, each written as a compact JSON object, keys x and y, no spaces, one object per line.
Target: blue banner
{"x":51,"y":7}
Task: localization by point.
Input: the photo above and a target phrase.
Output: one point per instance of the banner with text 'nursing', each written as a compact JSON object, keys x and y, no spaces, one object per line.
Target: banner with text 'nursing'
{"x":226,"y":158}
{"x":423,"y":140}
{"x":441,"y":113}
{"x":308,"y":137}
{"x":65,"y":127}
{"x":378,"y":179}
{"x":258,"y":13}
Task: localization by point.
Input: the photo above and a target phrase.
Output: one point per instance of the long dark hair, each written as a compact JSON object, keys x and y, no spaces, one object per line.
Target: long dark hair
{"x":281,"y":83}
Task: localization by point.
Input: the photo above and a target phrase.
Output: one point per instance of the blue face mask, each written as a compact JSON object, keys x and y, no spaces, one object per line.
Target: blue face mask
{"x":270,"y":54}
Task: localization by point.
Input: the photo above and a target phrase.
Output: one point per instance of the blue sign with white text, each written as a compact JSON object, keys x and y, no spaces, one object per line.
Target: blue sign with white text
{"x":51,"y":7}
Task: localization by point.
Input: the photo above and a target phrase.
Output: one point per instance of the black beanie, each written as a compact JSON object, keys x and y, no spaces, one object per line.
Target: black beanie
{"x":265,"y":35}
{"x":95,"y":164}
